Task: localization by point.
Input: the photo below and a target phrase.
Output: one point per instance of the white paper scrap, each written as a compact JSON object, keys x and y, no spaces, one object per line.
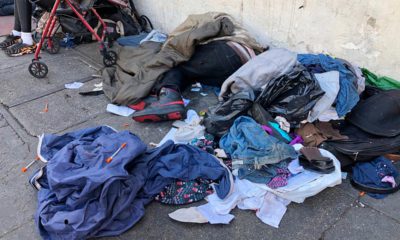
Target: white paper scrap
{"x":120,"y":110}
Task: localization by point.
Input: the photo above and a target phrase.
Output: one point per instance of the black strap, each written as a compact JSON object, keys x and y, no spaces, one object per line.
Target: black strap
{"x":369,"y":189}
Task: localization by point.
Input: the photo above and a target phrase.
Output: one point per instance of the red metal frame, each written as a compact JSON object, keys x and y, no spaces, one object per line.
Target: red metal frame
{"x":48,"y":29}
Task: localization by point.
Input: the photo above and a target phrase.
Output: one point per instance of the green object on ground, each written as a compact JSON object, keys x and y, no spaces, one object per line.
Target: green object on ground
{"x":383,"y":82}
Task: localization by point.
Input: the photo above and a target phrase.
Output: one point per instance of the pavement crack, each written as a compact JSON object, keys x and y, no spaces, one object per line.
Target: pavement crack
{"x":337,"y":220}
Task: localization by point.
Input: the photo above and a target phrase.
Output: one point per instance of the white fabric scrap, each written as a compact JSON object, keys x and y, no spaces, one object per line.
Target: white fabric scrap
{"x":329,"y":83}
{"x":212,"y":217}
{"x":191,"y":129}
{"x":119,"y":110}
{"x":74,"y":85}
{"x":283,"y":123}
{"x":190,"y":215}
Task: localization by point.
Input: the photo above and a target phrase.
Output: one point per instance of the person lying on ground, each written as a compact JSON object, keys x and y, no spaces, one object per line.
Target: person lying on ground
{"x":211,"y":65}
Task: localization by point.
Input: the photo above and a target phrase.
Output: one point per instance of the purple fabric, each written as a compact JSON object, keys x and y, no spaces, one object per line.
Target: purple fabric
{"x":267,"y":129}
{"x":281,"y":179}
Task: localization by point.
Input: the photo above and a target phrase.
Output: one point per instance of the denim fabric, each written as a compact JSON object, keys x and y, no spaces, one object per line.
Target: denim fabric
{"x":82,"y":196}
{"x":347,"y":97}
{"x":249,"y":144}
{"x":6,"y":7}
{"x":263,"y":175}
{"x":211,"y":64}
{"x":132,"y":41}
{"x":371,"y":174}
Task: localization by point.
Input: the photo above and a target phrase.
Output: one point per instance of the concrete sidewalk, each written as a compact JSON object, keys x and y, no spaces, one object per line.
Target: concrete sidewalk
{"x":332,"y":214}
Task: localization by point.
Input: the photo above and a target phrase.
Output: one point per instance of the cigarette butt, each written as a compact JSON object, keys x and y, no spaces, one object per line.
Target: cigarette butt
{"x":108,"y":160}
{"x":24,"y":169}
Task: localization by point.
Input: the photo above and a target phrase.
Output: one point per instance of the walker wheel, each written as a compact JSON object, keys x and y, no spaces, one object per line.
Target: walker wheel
{"x":38,"y":69}
{"x":110,"y":58}
{"x":55,"y":45}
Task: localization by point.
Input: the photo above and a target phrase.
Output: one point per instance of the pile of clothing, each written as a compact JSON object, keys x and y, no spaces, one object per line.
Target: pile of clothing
{"x":286,"y":125}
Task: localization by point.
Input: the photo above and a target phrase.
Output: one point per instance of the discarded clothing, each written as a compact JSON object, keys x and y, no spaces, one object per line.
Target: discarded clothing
{"x":184,"y":192}
{"x":259,"y":71}
{"x":131,"y":41}
{"x":347,"y":97}
{"x":306,"y":183}
{"x":247,"y":143}
{"x":204,"y":144}
{"x":283,"y":123}
{"x":281,"y":178}
{"x":270,"y":204}
{"x":263,"y":117}
{"x":329,"y":83}
{"x":378,"y":114}
{"x":371,"y":175}
{"x":291,"y":96}
{"x":314,"y":134}
{"x":384,"y":83}
{"x":138,"y":69}
{"x":188,"y":129}
{"x":264,"y":174}
{"x":247,"y":196}
{"x":82,"y":196}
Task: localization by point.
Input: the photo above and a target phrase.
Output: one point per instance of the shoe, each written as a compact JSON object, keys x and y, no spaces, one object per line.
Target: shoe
{"x":20,"y":49}
{"x":169,"y":106}
{"x":9,"y":41}
{"x":144,"y":103}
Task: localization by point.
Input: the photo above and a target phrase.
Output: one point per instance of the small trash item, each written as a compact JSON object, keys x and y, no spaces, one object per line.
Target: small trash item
{"x":25,"y":169}
{"x":377,"y":178}
{"x":119,"y":110}
{"x":195,"y":89}
{"x":185,"y":101}
{"x":46,"y":107}
{"x":108,"y":160}
{"x":203,"y":94}
{"x":74,"y":85}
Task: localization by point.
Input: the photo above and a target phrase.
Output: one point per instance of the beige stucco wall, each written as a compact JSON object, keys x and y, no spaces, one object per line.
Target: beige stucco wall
{"x":366,"y":32}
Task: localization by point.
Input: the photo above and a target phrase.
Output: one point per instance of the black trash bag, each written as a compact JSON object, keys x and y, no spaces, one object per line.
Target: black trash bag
{"x":221,"y":117}
{"x":291,"y":96}
{"x":360,"y":145}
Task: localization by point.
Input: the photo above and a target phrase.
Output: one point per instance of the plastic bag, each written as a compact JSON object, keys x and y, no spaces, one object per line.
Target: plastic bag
{"x":222,"y":116}
{"x":292,"y":95}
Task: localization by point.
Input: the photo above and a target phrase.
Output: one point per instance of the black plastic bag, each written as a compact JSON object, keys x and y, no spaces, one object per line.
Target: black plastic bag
{"x":291,"y":96}
{"x":221,"y":117}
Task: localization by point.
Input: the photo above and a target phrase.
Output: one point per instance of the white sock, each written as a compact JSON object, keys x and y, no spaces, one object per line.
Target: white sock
{"x":27,"y":38}
{"x":16,"y":33}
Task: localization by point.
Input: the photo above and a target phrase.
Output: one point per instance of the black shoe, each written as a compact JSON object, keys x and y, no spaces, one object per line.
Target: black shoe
{"x":144,"y":103}
{"x":20,"y":49}
{"x":169,"y":106}
{"x":9,"y":41}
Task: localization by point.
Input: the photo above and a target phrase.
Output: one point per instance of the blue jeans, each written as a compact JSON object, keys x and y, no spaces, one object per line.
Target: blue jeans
{"x":249,"y":144}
